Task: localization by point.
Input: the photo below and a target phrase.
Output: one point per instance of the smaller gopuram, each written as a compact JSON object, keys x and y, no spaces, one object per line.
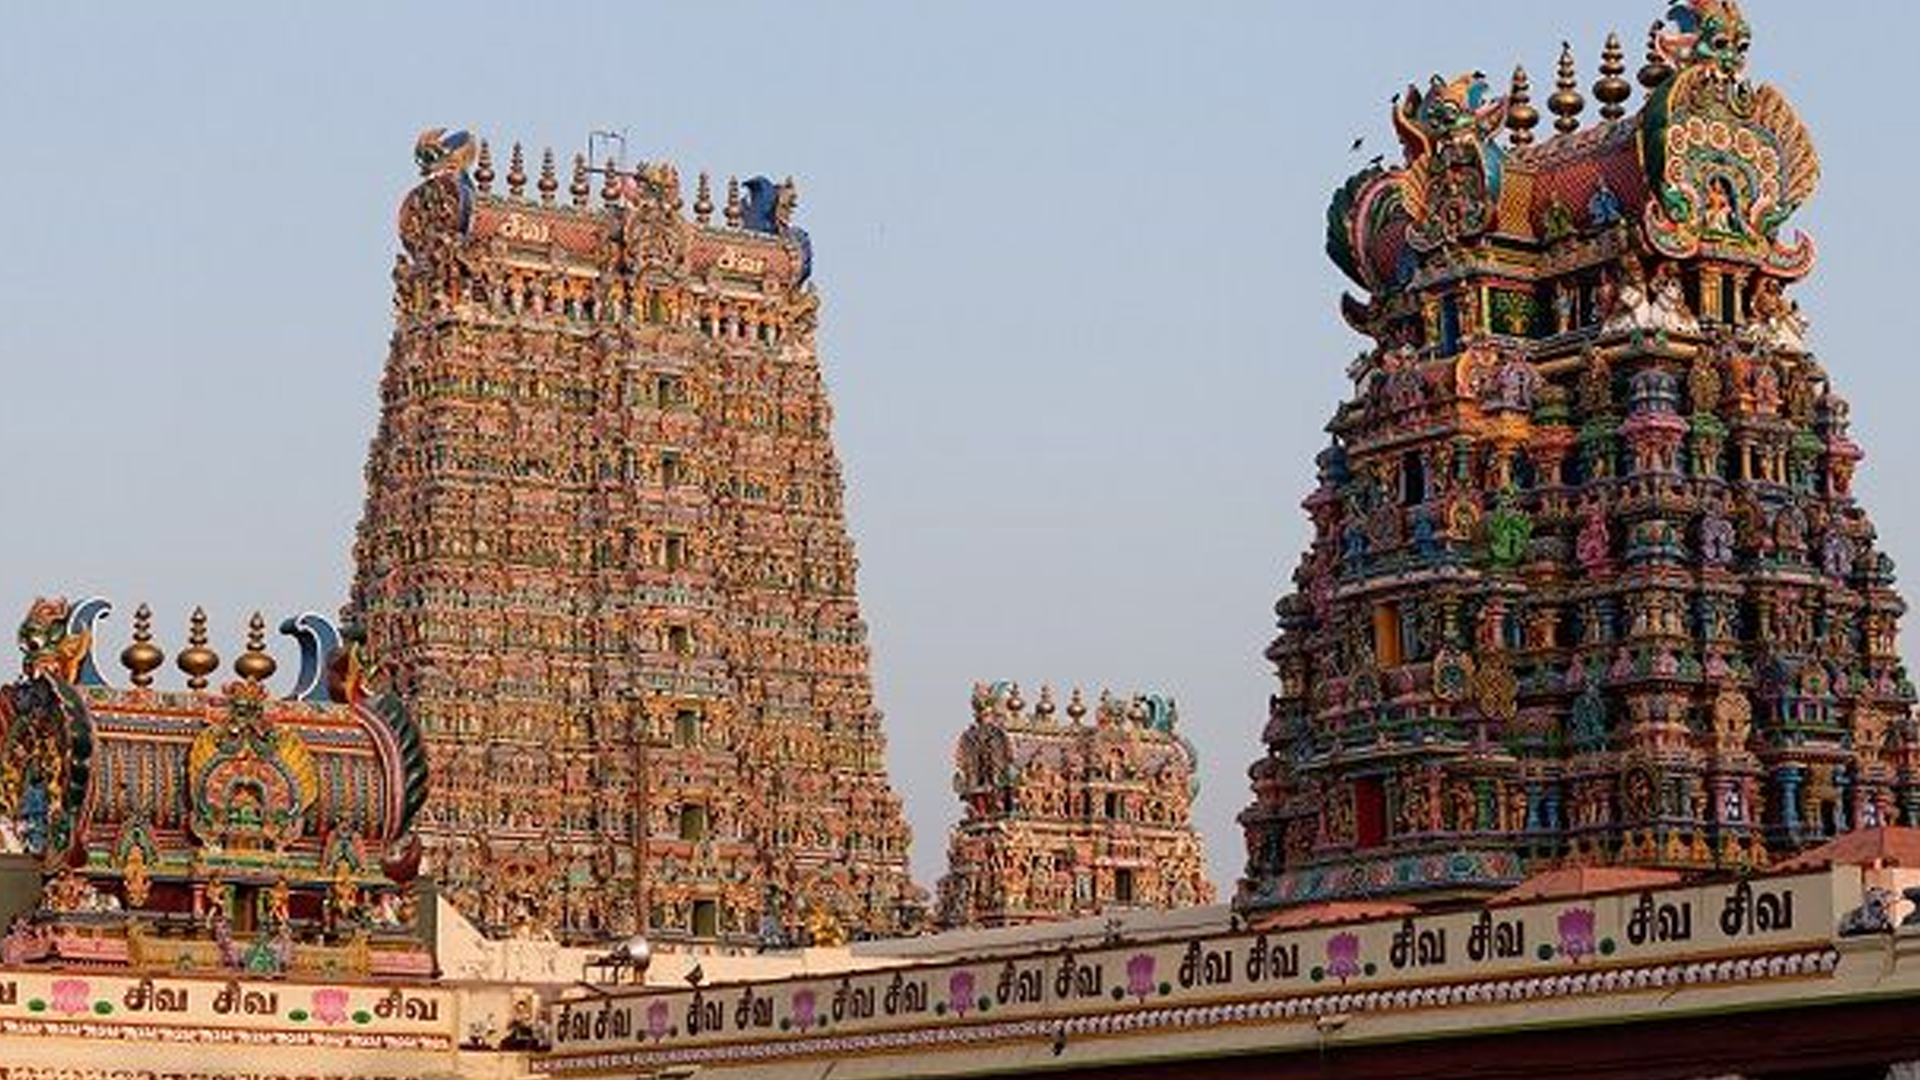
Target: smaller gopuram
{"x":202,"y":830}
{"x":1065,"y":818}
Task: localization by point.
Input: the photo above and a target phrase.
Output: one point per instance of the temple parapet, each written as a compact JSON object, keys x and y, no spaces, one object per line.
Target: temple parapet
{"x":639,"y":218}
{"x":1280,"y":988}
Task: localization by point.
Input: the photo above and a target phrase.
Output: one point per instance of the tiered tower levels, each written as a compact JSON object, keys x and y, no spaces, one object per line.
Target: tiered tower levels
{"x":1588,"y":581}
{"x":604,"y":553}
{"x":1064,"y":817}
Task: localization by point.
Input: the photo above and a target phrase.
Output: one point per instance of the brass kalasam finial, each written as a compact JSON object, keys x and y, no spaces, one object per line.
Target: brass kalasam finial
{"x":196,"y":659}
{"x":1610,"y":89}
{"x":549,"y":179}
{"x":517,"y":173}
{"x":1566,"y":102}
{"x":1043,"y":709}
{"x":610,"y":185}
{"x":1521,"y":115}
{"x":1655,"y":70}
{"x":1076,"y":705}
{"x":1015,"y":703}
{"x":255,"y":665}
{"x":703,"y":200}
{"x":142,"y":657}
{"x":579,"y":189}
{"x":483,"y":169}
{"x":733,"y":201}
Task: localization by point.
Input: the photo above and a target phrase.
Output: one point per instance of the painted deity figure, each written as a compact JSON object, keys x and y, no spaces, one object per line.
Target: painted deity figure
{"x":1716,"y":539}
{"x":1720,"y":213}
{"x":1836,"y":555}
{"x":1508,"y":531}
{"x":1632,"y":306}
{"x":1703,"y":384}
{"x":1592,"y":546}
{"x":1766,"y":389}
{"x":1775,"y":321}
{"x":1557,"y":222}
{"x":1670,"y":302}
{"x":1514,"y":385}
{"x":1603,"y":206}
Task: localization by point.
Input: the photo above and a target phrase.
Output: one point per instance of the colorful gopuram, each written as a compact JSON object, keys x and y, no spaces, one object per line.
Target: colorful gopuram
{"x":604,"y":555}
{"x":1063,"y":818}
{"x":1588,"y":582}
{"x":204,"y":831}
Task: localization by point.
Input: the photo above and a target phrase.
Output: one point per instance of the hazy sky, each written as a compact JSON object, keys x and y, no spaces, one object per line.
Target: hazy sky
{"x":1077,"y":325}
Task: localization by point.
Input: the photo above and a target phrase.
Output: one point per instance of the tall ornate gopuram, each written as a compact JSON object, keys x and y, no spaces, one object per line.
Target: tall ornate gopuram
{"x":605,"y":556}
{"x":1064,"y":819}
{"x":1588,"y":582}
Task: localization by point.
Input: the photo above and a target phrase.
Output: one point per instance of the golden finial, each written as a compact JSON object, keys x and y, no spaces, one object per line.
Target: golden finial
{"x":1076,"y":705}
{"x":579,"y":188}
{"x":670,"y":179}
{"x":255,"y":665}
{"x":1015,"y":703}
{"x":1521,"y":115}
{"x":703,"y":201}
{"x":196,"y":659}
{"x":1610,"y":90}
{"x":549,"y":179}
{"x":610,"y":185}
{"x":483,"y":169}
{"x":1566,"y":102}
{"x":517,"y":173}
{"x":1655,"y":70}
{"x":1043,"y":709}
{"x":733,"y":201}
{"x":142,"y":657}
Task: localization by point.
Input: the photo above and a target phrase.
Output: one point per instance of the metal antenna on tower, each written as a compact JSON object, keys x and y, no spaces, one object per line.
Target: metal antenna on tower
{"x":594,"y":139}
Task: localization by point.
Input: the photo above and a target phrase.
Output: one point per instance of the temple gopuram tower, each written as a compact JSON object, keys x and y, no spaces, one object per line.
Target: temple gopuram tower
{"x":1588,"y":582}
{"x":1065,"y":818}
{"x":604,"y":557}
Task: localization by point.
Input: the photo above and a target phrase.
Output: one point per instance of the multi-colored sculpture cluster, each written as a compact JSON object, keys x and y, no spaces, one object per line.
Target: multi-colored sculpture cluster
{"x":1069,"y":818}
{"x":605,"y":555}
{"x":1588,"y":582}
{"x":209,"y":830}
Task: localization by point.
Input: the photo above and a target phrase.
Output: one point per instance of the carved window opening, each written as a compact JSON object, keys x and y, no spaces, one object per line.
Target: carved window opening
{"x":1123,"y":885}
{"x":693,"y":822}
{"x":704,"y":919}
{"x":1387,"y":638}
{"x":674,"y":551}
{"x":686,"y":728}
{"x":1369,"y":812}
{"x":1413,"y":479}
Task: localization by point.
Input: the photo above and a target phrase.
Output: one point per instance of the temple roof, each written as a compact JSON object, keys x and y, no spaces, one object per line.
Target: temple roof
{"x":1708,"y":166}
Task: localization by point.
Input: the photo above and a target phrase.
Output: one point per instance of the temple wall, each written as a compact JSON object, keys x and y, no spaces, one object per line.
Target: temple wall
{"x":1687,"y":962}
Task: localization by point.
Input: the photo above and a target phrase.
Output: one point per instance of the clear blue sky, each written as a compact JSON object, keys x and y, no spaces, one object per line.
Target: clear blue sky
{"x":1077,"y":324}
